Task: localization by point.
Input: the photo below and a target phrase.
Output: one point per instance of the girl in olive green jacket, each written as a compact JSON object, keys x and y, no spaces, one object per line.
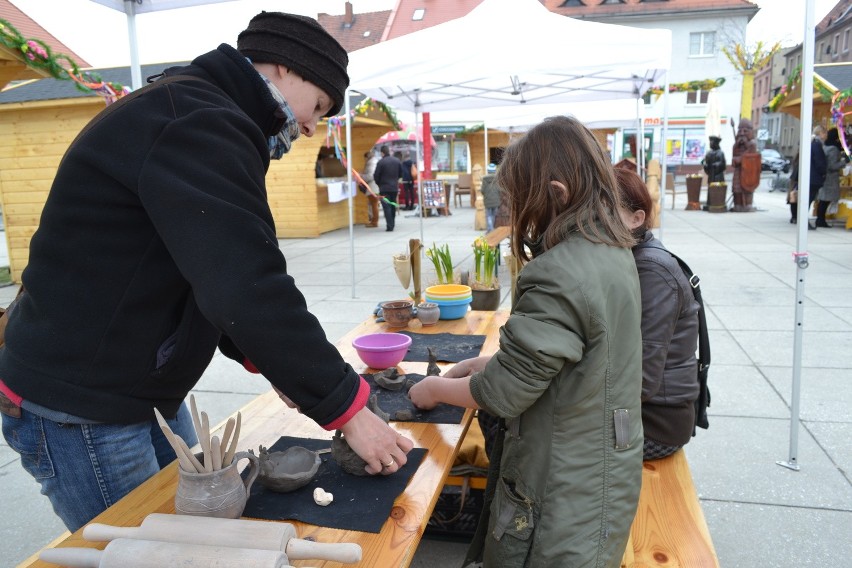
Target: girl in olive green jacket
{"x":566,"y":470}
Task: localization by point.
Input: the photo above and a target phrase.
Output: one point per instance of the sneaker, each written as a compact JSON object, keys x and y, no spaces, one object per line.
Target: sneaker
{"x":811,"y":227}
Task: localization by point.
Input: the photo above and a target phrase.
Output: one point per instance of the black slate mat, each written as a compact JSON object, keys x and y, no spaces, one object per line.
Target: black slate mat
{"x":448,"y":347}
{"x":361,"y":503}
{"x":393,"y":401}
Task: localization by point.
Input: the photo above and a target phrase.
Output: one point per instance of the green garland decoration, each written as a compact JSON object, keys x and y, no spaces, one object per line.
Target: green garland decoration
{"x":369,"y":104}
{"x":36,"y":54}
{"x":705,"y":85}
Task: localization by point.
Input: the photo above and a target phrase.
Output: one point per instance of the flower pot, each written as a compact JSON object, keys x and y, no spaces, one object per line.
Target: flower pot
{"x":487,"y":300}
{"x":693,"y":192}
{"x":716,"y":197}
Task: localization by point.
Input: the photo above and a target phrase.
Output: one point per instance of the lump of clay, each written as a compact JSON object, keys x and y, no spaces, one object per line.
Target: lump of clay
{"x":322,"y":497}
{"x":346,"y":458}
{"x":288,"y":470}
{"x":389,"y":379}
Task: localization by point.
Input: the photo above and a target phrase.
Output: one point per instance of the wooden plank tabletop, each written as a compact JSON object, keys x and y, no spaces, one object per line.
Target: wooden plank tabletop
{"x":266,"y":418}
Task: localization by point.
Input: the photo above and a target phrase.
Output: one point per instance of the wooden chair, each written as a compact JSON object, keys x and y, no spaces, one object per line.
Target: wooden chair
{"x":671,"y":187}
{"x":463,"y":187}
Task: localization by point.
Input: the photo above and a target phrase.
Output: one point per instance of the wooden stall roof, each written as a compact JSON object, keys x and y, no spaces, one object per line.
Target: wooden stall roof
{"x":11,"y":66}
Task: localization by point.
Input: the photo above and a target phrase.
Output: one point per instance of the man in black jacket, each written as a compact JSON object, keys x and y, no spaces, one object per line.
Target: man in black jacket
{"x":387,"y":176}
{"x":125,"y":298}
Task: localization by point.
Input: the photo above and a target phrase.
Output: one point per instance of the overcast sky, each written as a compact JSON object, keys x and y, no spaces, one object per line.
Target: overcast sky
{"x":99,"y":34}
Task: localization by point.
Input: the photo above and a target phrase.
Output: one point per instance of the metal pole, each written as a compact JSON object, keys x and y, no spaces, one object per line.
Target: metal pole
{"x":801,"y":256}
{"x":349,"y":191}
{"x":135,"y":68}
{"x":663,"y":156}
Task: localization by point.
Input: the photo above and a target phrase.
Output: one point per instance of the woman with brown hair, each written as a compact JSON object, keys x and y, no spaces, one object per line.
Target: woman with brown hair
{"x":566,"y":467}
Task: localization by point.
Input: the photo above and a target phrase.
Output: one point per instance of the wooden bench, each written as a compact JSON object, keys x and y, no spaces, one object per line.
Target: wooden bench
{"x":669,"y":528}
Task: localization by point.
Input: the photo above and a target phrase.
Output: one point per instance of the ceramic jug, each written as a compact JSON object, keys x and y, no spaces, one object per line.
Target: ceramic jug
{"x":222,"y":493}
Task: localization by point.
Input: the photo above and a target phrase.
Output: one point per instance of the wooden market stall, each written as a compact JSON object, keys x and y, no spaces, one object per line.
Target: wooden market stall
{"x":40,"y":118}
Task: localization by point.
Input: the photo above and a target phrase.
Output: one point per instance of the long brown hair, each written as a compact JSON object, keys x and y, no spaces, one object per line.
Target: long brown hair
{"x":560,"y":149}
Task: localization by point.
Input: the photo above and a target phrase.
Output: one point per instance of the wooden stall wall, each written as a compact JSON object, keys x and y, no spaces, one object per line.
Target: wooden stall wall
{"x":476,"y":141}
{"x":33,"y":139}
{"x":299,"y":204}
{"x":35,"y":135}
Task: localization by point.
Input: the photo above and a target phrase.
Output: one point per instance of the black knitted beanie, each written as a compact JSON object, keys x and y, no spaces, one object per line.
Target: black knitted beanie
{"x":301,"y":44}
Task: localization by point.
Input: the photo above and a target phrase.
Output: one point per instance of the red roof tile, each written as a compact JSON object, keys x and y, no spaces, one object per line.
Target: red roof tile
{"x":355,"y":31}
{"x":31,"y":30}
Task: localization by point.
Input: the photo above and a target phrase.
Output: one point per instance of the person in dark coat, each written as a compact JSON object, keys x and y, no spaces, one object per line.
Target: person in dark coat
{"x":389,"y":172}
{"x":157,"y":245}
{"x":407,"y":182}
{"x":834,"y":162}
{"x":819,"y":167}
{"x":669,"y":329}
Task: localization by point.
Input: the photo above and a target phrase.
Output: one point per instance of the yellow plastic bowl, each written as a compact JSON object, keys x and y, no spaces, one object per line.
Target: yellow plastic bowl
{"x":448,"y":291}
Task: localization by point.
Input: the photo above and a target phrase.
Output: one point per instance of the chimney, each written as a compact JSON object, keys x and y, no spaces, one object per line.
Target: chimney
{"x":349,"y":19}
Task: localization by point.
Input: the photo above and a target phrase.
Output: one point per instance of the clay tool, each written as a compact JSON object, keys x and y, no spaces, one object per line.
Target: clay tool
{"x":229,"y":456}
{"x":183,"y":459}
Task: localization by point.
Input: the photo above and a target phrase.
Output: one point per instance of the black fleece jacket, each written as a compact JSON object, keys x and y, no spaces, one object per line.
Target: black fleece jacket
{"x":155,"y":243}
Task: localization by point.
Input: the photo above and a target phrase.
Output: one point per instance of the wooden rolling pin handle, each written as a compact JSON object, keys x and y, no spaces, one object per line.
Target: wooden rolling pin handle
{"x":129,"y":553}
{"x":72,"y":557}
{"x":343,"y":552}
{"x":97,"y":532}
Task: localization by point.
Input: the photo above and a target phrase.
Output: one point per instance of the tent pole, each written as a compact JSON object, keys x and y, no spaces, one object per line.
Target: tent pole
{"x":421,"y":210}
{"x":802,"y":206}
{"x":664,"y":153}
{"x":349,"y":191}
{"x":135,"y":68}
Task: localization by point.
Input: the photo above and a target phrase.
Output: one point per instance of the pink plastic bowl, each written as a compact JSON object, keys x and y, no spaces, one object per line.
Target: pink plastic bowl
{"x":382,"y":350}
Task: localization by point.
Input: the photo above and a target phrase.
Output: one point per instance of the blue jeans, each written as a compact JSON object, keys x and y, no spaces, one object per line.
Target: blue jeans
{"x":85,"y":468}
{"x":490,"y":217}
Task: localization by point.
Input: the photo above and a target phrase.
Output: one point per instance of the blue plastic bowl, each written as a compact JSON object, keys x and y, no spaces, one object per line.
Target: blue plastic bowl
{"x":452,"y":309}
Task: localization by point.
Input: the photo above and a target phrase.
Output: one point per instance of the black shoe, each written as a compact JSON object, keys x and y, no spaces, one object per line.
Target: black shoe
{"x":823,"y":224}
{"x":389,"y":230}
{"x":793,"y":221}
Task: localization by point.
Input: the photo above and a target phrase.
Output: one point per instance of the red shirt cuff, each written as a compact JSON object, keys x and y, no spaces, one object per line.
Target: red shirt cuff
{"x":16,"y":400}
{"x":249,"y":366}
{"x":357,"y":404}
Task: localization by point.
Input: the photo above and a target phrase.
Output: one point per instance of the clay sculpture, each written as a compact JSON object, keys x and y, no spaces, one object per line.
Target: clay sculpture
{"x":389,"y":379}
{"x":432,"y":369}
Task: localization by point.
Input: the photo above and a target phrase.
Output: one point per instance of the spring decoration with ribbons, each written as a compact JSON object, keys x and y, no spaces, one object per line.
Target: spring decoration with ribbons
{"x":703,"y":85}
{"x":332,"y":138}
{"x":36,"y":54}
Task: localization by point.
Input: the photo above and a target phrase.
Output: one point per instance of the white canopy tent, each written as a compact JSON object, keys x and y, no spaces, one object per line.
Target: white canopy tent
{"x":508,"y":53}
{"x":133,"y":7}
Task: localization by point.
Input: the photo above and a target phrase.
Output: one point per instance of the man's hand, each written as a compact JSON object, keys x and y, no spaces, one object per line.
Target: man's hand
{"x":376,"y":443}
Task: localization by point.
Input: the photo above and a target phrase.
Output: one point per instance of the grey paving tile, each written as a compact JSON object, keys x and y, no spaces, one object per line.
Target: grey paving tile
{"x":30,"y":524}
{"x":747,"y":535}
{"x":825,"y":395}
{"x":777,"y":318}
{"x":735,"y":460}
{"x":725,"y":350}
{"x":743,"y":390}
{"x":833,"y":438}
{"x":819,"y":348}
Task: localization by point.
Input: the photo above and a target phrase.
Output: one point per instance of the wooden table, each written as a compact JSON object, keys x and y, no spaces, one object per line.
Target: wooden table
{"x":266,"y":418}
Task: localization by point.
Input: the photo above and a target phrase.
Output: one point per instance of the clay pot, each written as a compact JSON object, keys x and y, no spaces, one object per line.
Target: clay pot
{"x":488,"y":300}
{"x":397,"y":314}
{"x":428,"y":313}
{"x":220,"y":493}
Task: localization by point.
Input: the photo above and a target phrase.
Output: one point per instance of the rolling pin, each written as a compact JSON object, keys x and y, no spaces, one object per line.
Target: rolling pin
{"x":129,"y":553}
{"x":280,"y":537}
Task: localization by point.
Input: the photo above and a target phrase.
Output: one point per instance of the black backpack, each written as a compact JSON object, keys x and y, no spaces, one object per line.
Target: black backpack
{"x":703,"y":400}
